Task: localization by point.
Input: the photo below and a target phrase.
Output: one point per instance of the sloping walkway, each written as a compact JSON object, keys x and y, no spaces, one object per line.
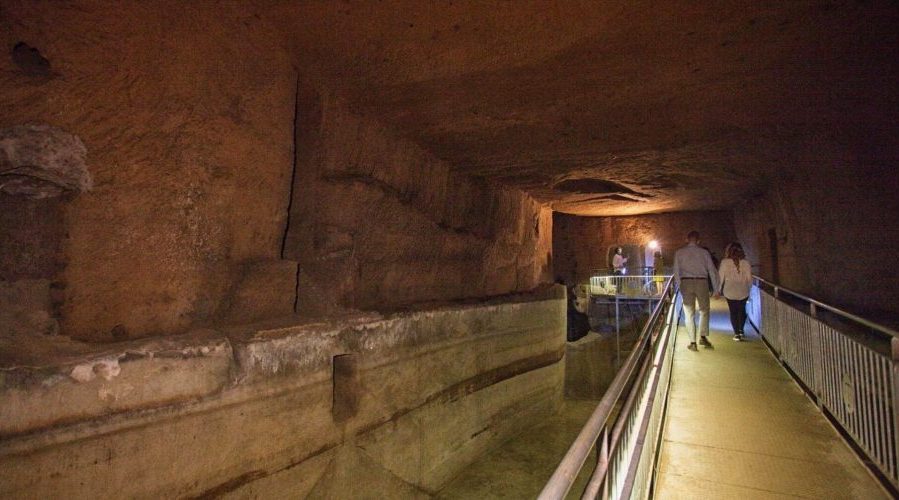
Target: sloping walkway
{"x":739,"y":427}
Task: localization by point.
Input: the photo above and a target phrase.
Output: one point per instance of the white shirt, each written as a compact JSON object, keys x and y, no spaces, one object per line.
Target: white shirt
{"x":618,"y":261}
{"x":736,"y":281}
{"x":693,"y":261}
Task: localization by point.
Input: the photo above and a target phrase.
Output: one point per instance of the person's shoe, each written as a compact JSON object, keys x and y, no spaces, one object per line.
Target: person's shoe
{"x":737,"y":337}
{"x":705,"y":342}
{"x":692,"y":346}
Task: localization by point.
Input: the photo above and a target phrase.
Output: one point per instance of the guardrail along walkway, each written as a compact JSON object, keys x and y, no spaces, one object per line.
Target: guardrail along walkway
{"x":738,"y":426}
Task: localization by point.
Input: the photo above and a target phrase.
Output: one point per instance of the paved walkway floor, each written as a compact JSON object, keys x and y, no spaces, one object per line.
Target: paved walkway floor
{"x":739,"y":427}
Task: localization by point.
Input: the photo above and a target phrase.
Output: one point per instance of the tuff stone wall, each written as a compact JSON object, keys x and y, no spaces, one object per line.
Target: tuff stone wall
{"x":189,"y":144}
{"x":379,"y":223}
{"x":834,"y":236}
{"x":581,"y":244}
{"x":199,"y":143}
{"x":375,"y":406}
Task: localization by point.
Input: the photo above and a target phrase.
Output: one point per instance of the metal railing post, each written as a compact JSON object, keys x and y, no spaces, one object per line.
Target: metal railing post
{"x":817,"y":357}
{"x":894,"y":348}
{"x":603,"y":461}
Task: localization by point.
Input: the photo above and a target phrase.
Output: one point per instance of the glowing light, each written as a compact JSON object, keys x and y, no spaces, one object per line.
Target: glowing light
{"x":653,"y":244}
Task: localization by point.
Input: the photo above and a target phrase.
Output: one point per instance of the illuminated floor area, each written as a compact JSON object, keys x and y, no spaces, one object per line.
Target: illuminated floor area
{"x":739,"y":427}
{"x":521,"y":467}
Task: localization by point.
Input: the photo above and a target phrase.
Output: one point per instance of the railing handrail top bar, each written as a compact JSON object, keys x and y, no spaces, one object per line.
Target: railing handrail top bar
{"x":849,"y":315}
{"x":594,"y":425}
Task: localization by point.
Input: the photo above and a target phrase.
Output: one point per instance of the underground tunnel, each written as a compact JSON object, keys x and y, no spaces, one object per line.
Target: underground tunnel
{"x":327,"y":249}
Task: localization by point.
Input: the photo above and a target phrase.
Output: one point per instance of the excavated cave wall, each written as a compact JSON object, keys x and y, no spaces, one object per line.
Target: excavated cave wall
{"x":199,"y":142}
{"x":376,"y":222}
{"x":187,"y":128}
{"x":580,"y":244}
{"x":832,"y":236}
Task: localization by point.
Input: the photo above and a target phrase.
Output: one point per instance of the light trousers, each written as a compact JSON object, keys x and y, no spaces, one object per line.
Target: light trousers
{"x":696,"y":292}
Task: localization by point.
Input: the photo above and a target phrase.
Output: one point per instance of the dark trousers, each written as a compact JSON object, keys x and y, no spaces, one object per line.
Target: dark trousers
{"x":737,"y":314}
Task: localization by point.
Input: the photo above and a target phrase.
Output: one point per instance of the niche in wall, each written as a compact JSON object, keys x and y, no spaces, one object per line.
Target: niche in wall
{"x":42,"y":168}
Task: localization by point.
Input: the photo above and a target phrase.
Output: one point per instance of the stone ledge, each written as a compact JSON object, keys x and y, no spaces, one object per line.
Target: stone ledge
{"x":73,"y":383}
{"x":59,"y":381}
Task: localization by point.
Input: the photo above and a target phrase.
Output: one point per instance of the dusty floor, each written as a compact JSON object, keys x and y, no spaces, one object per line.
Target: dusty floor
{"x":739,"y":427}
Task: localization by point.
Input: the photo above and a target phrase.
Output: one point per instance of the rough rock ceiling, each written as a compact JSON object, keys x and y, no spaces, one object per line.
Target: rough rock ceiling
{"x":621,"y":107}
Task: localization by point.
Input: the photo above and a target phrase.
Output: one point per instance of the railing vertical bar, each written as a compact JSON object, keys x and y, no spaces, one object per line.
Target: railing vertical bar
{"x":894,"y":385}
{"x":839,"y":405}
{"x":876,"y":397}
{"x":853,"y":366}
{"x":870,"y":398}
{"x":885,"y":416}
{"x":890,"y":438}
{"x":886,"y":422}
{"x":860,"y":395}
{"x":833,"y":370}
{"x":869,"y":403}
{"x":846,"y":371}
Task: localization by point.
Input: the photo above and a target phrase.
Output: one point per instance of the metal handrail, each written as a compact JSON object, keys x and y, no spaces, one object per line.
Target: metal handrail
{"x":570,"y":466}
{"x":822,"y":305}
{"x":599,"y":285}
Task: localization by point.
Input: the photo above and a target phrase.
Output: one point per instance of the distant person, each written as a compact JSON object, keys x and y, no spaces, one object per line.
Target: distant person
{"x":693,"y":268}
{"x":736,"y":281}
{"x":619,"y":261}
{"x":658,"y":272}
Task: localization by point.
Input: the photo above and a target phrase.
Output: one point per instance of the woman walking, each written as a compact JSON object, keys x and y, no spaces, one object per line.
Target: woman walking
{"x":736,"y":280}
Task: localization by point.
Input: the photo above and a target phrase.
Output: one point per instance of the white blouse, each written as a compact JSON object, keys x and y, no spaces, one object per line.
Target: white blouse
{"x":736,"y":282}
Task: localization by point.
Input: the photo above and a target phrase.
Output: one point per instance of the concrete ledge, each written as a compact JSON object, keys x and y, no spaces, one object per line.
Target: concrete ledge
{"x":423,"y":392}
{"x":76,"y":386}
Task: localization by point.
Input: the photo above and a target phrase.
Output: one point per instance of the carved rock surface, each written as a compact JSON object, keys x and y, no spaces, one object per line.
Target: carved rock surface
{"x":41,"y":161}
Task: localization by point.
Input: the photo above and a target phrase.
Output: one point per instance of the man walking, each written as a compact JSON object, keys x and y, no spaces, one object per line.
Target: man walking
{"x":693,"y":268}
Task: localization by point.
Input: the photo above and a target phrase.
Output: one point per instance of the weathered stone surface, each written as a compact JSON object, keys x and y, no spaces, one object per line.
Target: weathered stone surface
{"x":40,"y":161}
{"x":436,"y":388}
{"x":262,"y":290}
{"x":26,"y":308}
{"x":59,"y":382}
{"x":378,"y":223}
